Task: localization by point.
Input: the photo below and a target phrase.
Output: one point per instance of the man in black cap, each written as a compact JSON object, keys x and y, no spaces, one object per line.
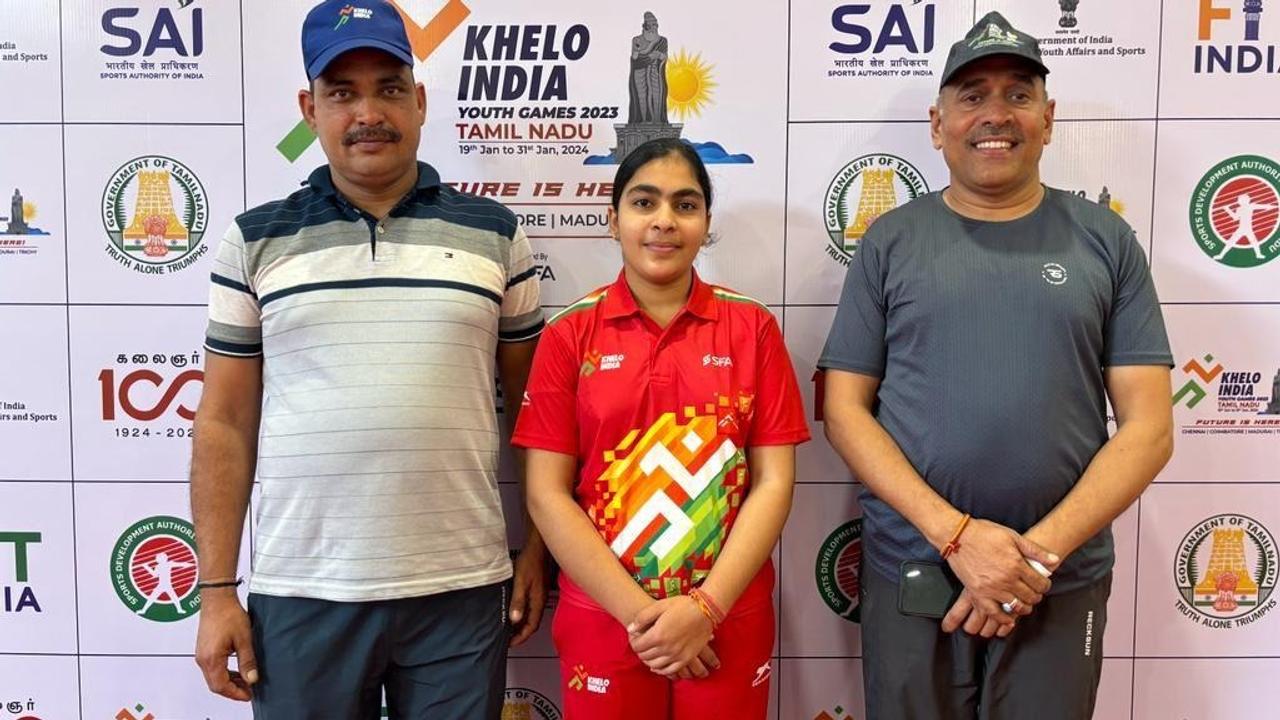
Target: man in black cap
{"x":980,"y":332}
{"x":354,"y":329}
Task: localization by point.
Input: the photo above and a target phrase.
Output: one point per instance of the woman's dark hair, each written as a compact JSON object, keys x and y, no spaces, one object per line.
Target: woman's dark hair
{"x":654,"y":150}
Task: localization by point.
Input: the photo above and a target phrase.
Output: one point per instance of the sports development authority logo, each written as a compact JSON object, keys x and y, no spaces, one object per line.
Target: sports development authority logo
{"x":1234,"y":211}
{"x":155,"y":212}
{"x":836,"y":570}
{"x":1226,"y":572}
{"x":524,"y":704}
{"x":154,"y":569}
{"x":862,"y":191}
{"x":884,"y":40}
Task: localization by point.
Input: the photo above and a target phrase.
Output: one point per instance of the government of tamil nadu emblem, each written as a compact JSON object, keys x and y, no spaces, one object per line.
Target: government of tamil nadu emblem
{"x":155,"y":212}
{"x":862,"y":191}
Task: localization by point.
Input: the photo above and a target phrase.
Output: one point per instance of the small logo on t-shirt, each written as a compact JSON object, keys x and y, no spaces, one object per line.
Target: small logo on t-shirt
{"x":1054,"y":274}
{"x":720,"y":361}
{"x":762,"y":674}
{"x":582,"y":680}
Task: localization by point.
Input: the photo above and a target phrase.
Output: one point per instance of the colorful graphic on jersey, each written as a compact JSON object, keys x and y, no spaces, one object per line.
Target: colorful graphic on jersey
{"x":669,"y":495}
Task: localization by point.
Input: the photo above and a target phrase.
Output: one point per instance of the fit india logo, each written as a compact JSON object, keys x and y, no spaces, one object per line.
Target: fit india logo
{"x":19,"y":596}
{"x":863,"y":190}
{"x":1248,"y":55}
{"x":836,"y":570}
{"x":154,"y":569}
{"x":1225,"y":572}
{"x":520,"y":703}
{"x":1234,"y":211}
{"x":155,"y":212}
{"x":423,"y":39}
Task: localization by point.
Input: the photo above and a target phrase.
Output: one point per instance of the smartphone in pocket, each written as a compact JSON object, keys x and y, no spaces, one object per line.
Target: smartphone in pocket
{"x":926,"y":589}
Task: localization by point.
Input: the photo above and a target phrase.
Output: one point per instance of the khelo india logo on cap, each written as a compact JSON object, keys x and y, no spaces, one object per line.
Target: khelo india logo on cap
{"x":524,"y":704}
{"x":862,"y":191}
{"x":1226,"y":571}
{"x":1235,"y":210}
{"x":155,"y":211}
{"x":154,"y":569}
{"x":836,"y":570}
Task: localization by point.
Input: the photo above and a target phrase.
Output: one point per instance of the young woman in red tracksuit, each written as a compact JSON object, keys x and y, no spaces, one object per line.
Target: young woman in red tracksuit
{"x":661,"y":418}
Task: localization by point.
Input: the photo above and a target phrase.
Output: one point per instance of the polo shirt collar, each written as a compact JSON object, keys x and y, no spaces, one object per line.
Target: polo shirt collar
{"x":321,"y":181}
{"x":619,"y":302}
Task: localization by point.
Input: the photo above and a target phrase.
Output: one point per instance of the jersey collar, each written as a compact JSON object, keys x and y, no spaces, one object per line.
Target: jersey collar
{"x":619,"y":302}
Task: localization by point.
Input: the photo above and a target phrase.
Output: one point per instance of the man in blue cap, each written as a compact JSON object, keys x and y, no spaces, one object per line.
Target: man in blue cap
{"x":354,"y":332}
{"x":980,"y":332}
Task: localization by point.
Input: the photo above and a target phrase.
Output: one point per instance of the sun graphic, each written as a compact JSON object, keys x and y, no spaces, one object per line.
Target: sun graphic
{"x":1117,"y":206}
{"x":28,"y":210}
{"x":689,"y":84}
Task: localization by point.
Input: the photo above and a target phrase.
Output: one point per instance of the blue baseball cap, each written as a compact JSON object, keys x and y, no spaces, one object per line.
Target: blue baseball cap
{"x":336,"y":26}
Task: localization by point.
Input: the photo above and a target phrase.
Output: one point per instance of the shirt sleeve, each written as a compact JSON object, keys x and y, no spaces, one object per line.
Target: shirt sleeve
{"x":521,"y":305}
{"x":549,"y":410}
{"x":857,"y":339}
{"x":235,"y":318}
{"x":779,"y":418}
{"x":1135,"y":333}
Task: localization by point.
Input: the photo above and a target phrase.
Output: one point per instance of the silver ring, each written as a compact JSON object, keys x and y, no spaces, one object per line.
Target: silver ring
{"x":1010,"y":606}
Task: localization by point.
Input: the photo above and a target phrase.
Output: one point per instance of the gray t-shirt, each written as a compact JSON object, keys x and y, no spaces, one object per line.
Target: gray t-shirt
{"x":990,"y":339}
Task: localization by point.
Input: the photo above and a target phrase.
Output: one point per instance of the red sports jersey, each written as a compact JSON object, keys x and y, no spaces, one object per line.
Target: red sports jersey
{"x":660,"y":420}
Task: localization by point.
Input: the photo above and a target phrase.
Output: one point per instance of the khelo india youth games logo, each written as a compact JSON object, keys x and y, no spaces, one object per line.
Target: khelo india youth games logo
{"x":862,"y":191}
{"x":1234,"y":211}
{"x":154,"y":569}
{"x":1226,"y":571}
{"x":524,"y":704}
{"x":155,"y":211}
{"x":836,"y":570}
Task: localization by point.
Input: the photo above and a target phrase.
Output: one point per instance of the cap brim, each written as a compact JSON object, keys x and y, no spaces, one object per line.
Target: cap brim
{"x":1030,"y":61}
{"x":356,"y":43}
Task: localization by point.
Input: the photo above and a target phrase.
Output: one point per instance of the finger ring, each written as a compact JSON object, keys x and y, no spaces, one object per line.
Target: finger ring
{"x":1010,"y":606}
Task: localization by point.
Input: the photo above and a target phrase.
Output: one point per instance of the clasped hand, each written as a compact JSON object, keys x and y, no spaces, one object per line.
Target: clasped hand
{"x":672,"y":636}
{"x":992,"y":565}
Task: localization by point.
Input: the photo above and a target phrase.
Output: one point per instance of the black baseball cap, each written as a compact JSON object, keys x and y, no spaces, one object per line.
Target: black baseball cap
{"x":992,"y":35}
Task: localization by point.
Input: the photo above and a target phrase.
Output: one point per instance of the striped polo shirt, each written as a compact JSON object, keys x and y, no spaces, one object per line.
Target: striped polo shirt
{"x":378,"y":446}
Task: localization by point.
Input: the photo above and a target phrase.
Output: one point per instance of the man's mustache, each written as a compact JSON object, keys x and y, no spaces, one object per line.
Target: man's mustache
{"x":377,"y":133}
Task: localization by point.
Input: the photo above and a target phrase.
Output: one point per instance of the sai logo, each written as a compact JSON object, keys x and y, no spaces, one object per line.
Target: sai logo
{"x":1234,"y":211}
{"x":154,"y":569}
{"x":185,"y":38}
{"x":524,"y":704}
{"x":836,"y":570}
{"x":1226,"y":571}
{"x":862,"y":191}
{"x":895,"y":29}
{"x":155,"y":212}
